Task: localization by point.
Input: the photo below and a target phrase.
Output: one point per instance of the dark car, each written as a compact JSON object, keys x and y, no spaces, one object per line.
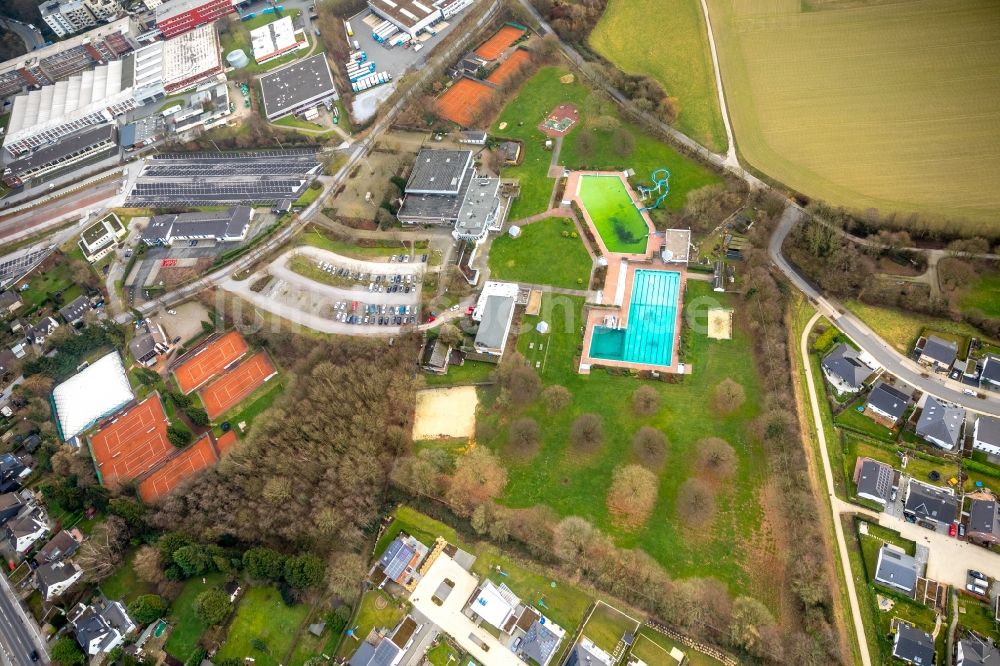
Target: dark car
{"x":34,"y":655}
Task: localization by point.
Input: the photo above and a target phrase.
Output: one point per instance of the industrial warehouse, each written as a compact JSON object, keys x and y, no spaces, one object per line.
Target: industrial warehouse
{"x":297,"y":87}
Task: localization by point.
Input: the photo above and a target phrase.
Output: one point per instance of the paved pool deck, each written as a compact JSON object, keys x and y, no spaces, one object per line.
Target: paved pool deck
{"x":617,"y":292}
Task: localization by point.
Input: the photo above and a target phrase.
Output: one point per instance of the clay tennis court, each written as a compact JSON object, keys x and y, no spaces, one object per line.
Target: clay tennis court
{"x":231,"y":388}
{"x":225,"y":442}
{"x":191,"y":460}
{"x":132,"y":444}
{"x":494,"y":47}
{"x":462,"y":102}
{"x":209,"y":360}
{"x":511,"y":66}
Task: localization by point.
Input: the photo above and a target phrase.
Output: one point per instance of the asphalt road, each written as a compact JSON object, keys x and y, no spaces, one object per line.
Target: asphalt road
{"x":17,"y":640}
{"x":55,"y":213}
{"x":29,"y":34}
{"x":895,"y":363}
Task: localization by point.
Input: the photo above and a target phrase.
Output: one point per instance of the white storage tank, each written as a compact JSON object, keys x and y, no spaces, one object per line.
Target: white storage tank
{"x":237,"y":58}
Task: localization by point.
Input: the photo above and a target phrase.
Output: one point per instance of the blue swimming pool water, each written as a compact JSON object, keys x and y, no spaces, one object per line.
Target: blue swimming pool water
{"x":649,"y":335}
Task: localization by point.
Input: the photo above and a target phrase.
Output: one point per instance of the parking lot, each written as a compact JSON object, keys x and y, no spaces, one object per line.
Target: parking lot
{"x":263,"y":177}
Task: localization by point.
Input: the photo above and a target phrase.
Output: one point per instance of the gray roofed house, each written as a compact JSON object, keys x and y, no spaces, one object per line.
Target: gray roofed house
{"x":383,"y":654}
{"x":925,"y":502}
{"x":12,"y":471}
{"x":912,"y":645}
{"x":991,"y":371}
{"x":539,"y":643}
{"x":586,"y":653}
{"x":984,"y":521}
{"x":439,"y":172}
{"x":874,"y":480}
{"x":150,"y":343}
{"x":59,"y":547}
{"x":10,"y":505}
{"x":100,"y":630}
{"x":843,"y":368}
{"x":73,"y":311}
{"x":975,"y":651}
{"x":476,"y":137}
{"x":495,"y":325}
{"x":941,"y":423}
{"x":363,"y":655}
{"x":229,"y":225}
{"x":896,"y":569}
{"x":297,"y":87}
{"x":436,"y":357}
{"x":25,"y":530}
{"x":887,"y":402}
{"x":986,"y":435}
{"x":10,"y":301}
{"x":938,"y":353}
{"x":37,"y":334}
{"x":52,"y":580}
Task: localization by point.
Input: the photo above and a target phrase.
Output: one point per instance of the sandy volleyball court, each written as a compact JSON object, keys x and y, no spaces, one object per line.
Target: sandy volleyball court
{"x":446,"y":412}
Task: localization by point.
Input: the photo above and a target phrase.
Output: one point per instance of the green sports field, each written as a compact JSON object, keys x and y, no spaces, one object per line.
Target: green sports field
{"x":667,"y":40}
{"x":891,"y":105}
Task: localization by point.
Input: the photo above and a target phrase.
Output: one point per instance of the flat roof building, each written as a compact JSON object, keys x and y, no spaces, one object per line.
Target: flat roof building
{"x":445,"y":188}
{"x":494,"y":311}
{"x":297,"y":87}
{"x":222,"y":226}
{"x":66,"y":17}
{"x":175,"y":17}
{"x":164,"y":68}
{"x":276,"y":39}
{"x":414,"y":16}
{"x":66,"y":152}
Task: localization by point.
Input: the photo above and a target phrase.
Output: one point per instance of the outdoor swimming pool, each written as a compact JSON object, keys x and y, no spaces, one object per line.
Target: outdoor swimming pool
{"x":610,"y":206}
{"x":649,"y":334}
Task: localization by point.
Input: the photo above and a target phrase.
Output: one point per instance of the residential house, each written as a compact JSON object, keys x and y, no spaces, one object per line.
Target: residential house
{"x":20,"y":350}
{"x":100,"y":238}
{"x":976,"y":651}
{"x":539,"y":644}
{"x":941,"y":423}
{"x":436,"y":357}
{"x":496,"y":605}
{"x":149,"y":343}
{"x":10,"y":301}
{"x":52,"y":580}
{"x":10,"y":505}
{"x":719,"y":281}
{"x":390,"y":649}
{"x":913,"y":646}
{"x":59,"y":547}
{"x":12,"y":472}
{"x":474,"y":137}
{"x":990,"y":376}
{"x":886,"y":404}
{"x":984,"y":521}
{"x":986,"y":435}
{"x":930,"y":503}
{"x":25,"y":530}
{"x":896,"y":569}
{"x":510,"y":151}
{"x":875,"y":480}
{"x":38,"y":333}
{"x":586,"y":653}
{"x":100,"y":629}
{"x":844,"y":369}
{"x":401,"y":559}
{"x":938,"y":354}
{"x":73,"y":312}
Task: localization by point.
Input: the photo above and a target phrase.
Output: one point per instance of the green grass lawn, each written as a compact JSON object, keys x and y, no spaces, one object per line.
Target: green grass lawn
{"x":828,"y":97}
{"x":621,"y":226}
{"x":309,"y":196}
{"x":124,"y":586}
{"x":579,"y":487}
{"x":852,"y":418}
{"x":470,"y":372}
{"x":443,"y":654}
{"x":324,"y":242}
{"x":982,"y":295}
{"x":186,"y":627}
{"x":263,"y":615}
{"x":423,"y":528}
{"x":536,"y":99}
{"x":258,"y":402}
{"x":684,"y":69}
{"x":606,"y":627}
{"x":371,"y":617}
{"x":654,"y":649}
{"x":542,"y":255}
{"x":57,"y":278}
{"x":978,"y":617}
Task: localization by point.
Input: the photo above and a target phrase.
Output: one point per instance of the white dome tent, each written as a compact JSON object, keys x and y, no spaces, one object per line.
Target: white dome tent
{"x":542,"y":327}
{"x":514,"y":231}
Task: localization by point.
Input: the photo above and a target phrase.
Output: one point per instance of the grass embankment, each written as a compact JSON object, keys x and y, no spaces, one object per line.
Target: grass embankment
{"x":625,"y":34}
{"x":902,"y":329}
{"x":982,"y":295}
{"x":836,"y":107}
{"x":263,"y":620}
{"x":544,"y":92}
{"x":543,"y":255}
{"x":186,"y":626}
{"x":578,"y":485}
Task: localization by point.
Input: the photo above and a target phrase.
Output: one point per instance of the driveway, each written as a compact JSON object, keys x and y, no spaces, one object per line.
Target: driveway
{"x":478,"y":642}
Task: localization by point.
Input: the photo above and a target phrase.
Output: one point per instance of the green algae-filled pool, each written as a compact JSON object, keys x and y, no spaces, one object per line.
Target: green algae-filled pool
{"x":649,"y":335}
{"x":610,"y":206}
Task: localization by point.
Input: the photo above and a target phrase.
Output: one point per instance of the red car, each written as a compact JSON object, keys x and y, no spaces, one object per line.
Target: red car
{"x":952,"y":530}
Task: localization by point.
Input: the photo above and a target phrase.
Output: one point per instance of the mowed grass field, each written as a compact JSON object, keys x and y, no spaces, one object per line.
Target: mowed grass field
{"x":667,"y":40}
{"x":736,"y":544}
{"x":542,"y":255}
{"x":892,"y":105}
